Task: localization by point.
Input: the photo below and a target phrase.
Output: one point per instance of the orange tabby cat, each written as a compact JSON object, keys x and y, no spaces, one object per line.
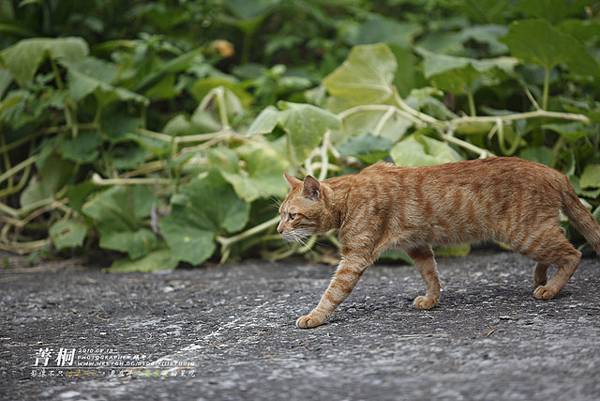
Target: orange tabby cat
{"x":504,"y":199}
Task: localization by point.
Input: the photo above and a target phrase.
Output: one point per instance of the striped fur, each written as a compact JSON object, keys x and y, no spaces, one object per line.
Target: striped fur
{"x":504,"y":199}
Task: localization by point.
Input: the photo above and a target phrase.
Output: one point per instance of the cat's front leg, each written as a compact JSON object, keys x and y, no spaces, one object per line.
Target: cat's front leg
{"x":345,"y":278}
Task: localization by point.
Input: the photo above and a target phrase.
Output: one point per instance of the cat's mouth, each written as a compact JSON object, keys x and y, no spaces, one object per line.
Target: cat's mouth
{"x":298,"y":235}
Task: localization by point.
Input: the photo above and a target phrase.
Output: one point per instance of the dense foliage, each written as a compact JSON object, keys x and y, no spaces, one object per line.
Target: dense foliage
{"x":160,"y":129}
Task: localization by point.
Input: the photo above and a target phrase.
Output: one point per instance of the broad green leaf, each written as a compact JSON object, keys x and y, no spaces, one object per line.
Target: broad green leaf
{"x":24,"y":58}
{"x":82,"y":83}
{"x":187,"y":242}
{"x":163,"y":89}
{"x":487,"y":34}
{"x":552,"y":10}
{"x":264,"y":122}
{"x":590,"y":177}
{"x":365,"y":77}
{"x":53,"y":173}
{"x":136,"y":243}
{"x":396,"y":255}
{"x":160,"y":259}
{"x":368,"y":148}
{"x":418,"y":150}
{"x":443,"y":42}
{"x":375,"y":122}
{"x":461,"y":75}
{"x":119,"y":214}
{"x":67,"y":233}
{"x":116,"y":123}
{"x":405,"y":78}
{"x":583,"y":30}
{"x":425,"y":99}
{"x":83,"y":148}
{"x":453,"y":250}
{"x":305,"y":125}
{"x":251,"y":9}
{"x":537,"y":42}
{"x":385,"y":30}
{"x":571,"y":131}
{"x":201,"y":88}
{"x":206,"y":205}
{"x":255,"y":171}
{"x":540,"y":154}
{"x":5,"y":80}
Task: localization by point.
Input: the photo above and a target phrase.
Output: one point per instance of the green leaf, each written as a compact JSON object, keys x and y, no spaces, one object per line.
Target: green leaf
{"x":264,"y":122}
{"x":24,"y":58}
{"x":85,"y":78}
{"x":380,"y":29}
{"x":453,"y":250}
{"x":375,"y":122}
{"x":368,"y":148}
{"x":119,"y":213}
{"x":461,"y":75}
{"x":67,"y":233}
{"x":405,"y":78}
{"x":116,"y":124}
{"x":136,"y":243}
{"x":590,"y":177}
{"x":161,"y":259}
{"x":552,"y":10}
{"x":255,"y":171}
{"x":365,"y":77}
{"x":187,"y":243}
{"x":205,"y":206}
{"x":396,"y":255}
{"x":52,"y":175}
{"x":83,"y":148}
{"x":305,"y":125}
{"x":5,"y":80}
{"x":201,"y":88}
{"x":571,"y":131}
{"x":486,"y":34}
{"x":537,"y":42}
{"x":540,"y":154}
{"x":418,"y":150}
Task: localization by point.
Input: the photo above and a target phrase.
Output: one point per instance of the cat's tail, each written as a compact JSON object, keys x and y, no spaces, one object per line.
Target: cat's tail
{"x":580,"y":217}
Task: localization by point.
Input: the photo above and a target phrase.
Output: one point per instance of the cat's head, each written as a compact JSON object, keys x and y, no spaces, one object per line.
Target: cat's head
{"x":306,"y":209}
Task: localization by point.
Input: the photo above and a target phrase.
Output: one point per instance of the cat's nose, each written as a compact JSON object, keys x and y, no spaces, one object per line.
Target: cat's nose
{"x":280,"y":228}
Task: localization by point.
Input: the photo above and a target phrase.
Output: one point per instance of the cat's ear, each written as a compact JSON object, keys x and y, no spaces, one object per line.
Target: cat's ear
{"x":311,"y":188}
{"x":292,"y":181}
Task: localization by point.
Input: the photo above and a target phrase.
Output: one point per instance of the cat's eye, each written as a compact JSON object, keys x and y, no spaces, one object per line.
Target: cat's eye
{"x":291,"y":216}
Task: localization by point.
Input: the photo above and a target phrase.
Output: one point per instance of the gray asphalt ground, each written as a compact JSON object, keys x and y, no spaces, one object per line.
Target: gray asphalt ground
{"x":227,"y":333}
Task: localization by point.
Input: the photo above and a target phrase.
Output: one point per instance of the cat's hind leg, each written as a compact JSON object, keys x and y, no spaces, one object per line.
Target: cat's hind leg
{"x":551,"y":247}
{"x":540,"y":274}
{"x":425,"y":262}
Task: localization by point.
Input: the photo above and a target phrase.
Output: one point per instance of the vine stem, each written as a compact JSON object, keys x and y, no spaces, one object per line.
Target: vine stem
{"x":69,"y":117}
{"x":469,"y":146}
{"x":15,"y":169}
{"x":546,"y":88}
{"x":227,"y":241}
{"x":324,"y":157}
{"x":98,"y":180}
{"x":520,"y":116}
{"x":472,"y":109}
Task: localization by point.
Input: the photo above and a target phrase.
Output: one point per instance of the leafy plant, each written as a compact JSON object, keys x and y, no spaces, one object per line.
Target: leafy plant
{"x":163,"y":140}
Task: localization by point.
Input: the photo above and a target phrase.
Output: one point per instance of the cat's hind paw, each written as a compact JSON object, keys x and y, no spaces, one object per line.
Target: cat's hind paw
{"x":309,"y":321}
{"x":544,"y":292}
{"x":425,"y":302}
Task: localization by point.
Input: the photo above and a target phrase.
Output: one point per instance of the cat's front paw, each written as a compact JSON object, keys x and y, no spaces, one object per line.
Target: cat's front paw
{"x":309,"y":321}
{"x":544,"y":292}
{"x":425,"y":302}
